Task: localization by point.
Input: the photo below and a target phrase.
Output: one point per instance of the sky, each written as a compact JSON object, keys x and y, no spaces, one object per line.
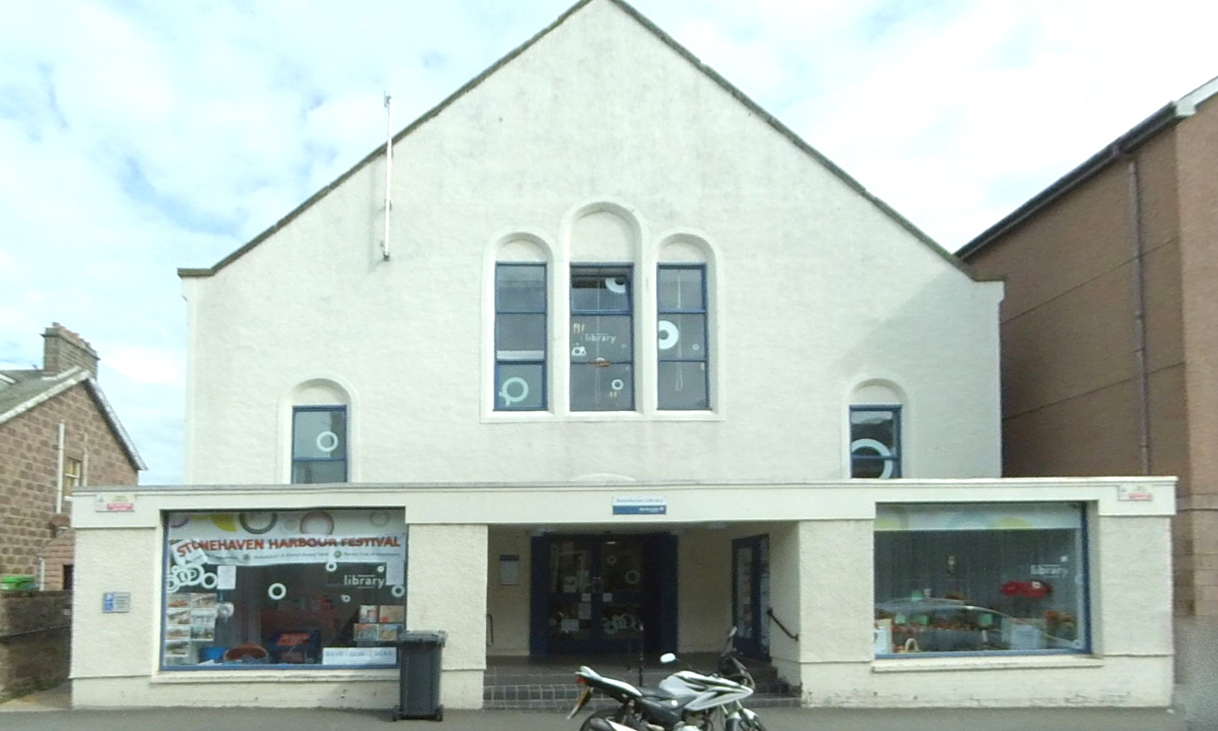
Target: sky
{"x":140,"y":137}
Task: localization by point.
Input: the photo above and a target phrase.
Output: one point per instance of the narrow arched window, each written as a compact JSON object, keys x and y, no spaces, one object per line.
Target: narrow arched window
{"x":319,"y":444}
{"x":520,"y":337}
{"x":681,"y":338}
{"x":875,"y":441}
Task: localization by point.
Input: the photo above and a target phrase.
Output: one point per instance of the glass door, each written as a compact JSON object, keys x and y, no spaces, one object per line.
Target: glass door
{"x":751,"y":595}
{"x":595,"y":594}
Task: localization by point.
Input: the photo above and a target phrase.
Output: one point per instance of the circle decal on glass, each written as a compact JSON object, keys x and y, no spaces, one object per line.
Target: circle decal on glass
{"x":346,"y":598}
{"x":632,"y":577}
{"x":617,"y":384}
{"x":669,"y":334}
{"x":277,"y":591}
{"x":505,"y":392}
{"x":327,"y":441}
{"x":257,"y":523}
{"x":398,"y":591}
{"x":332,"y":566}
{"x":617,"y":285}
{"x":208,"y":581}
{"x":880,"y":448}
{"x":317,"y":522}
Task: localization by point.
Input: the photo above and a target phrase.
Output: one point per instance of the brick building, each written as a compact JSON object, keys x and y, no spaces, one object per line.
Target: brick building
{"x":57,"y":432}
{"x":1110,"y":354}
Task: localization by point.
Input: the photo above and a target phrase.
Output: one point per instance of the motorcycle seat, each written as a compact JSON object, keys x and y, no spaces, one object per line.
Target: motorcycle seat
{"x":657,"y":693}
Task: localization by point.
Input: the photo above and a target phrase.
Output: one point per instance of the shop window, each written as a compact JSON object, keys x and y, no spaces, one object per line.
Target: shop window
{"x":602,"y":339}
{"x":520,"y":337}
{"x":309,"y":588}
{"x":875,"y":441}
{"x":981,"y":578}
{"x":682,"y":338}
{"x":319,"y":444}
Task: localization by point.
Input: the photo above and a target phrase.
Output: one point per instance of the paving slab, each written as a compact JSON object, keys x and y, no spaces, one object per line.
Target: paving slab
{"x":776,"y":719}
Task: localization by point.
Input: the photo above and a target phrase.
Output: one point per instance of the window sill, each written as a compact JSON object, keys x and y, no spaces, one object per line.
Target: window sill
{"x":1003,"y":662}
{"x":303,"y":674}
{"x":519,"y":417}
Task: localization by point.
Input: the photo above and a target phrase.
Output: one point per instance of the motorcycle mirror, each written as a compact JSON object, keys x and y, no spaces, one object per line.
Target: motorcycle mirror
{"x":667,"y":658}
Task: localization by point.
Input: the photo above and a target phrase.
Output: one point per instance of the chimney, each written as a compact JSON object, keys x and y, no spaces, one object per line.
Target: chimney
{"x":63,"y":349}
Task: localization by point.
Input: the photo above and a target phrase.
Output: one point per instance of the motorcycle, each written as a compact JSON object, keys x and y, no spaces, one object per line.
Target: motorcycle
{"x":684,"y":701}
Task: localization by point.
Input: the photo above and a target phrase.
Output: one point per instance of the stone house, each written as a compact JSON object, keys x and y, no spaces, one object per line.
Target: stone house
{"x":57,"y":433}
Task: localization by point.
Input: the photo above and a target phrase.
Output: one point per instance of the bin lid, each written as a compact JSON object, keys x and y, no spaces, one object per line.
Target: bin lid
{"x":422,"y":637}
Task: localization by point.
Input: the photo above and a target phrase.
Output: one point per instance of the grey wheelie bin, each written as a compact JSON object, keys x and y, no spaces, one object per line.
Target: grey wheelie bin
{"x":419,"y":658}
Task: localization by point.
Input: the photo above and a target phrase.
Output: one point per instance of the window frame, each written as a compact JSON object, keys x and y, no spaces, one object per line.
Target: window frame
{"x":704,"y":311}
{"x":166,"y":570}
{"x":545,"y":346}
{"x":573,"y":312}
{"x":345,"y":459}
{"x":72,"y":479}
{"x":1085,"y":637}
{"x":896,"y":458}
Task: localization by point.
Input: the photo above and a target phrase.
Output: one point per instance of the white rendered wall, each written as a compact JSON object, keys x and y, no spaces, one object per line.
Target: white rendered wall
{"x":821,"y":544}
{"x":509,"y":605}
{"x":446,"y":590}
{"x":815,"y":290}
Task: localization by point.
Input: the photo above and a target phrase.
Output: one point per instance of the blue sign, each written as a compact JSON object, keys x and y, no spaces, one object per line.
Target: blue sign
{"x":640,"y":505}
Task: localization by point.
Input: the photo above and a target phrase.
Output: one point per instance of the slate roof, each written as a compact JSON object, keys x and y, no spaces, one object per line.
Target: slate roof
{"x":23,"y":390}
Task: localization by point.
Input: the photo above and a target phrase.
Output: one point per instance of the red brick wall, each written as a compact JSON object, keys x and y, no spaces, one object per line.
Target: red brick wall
{"x":28,"y":476}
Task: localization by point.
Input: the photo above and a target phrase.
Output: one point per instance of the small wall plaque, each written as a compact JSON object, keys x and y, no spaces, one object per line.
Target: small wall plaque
{"x":116,"y":602}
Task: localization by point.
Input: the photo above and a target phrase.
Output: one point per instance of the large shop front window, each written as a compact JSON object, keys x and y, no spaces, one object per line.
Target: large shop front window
{"x":980,"y":578}
{"x":323,"y":588}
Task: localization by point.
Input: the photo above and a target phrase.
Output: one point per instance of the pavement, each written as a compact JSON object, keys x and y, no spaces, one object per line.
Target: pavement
{"x":50,"y":710}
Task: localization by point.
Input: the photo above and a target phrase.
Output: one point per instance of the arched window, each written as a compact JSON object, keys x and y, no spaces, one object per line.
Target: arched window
{"x":603,"y":246}
{"x":521,"y":323}
{"x":683,"y":359}
{"x":875,"y":431}
{"x":320,"y":429}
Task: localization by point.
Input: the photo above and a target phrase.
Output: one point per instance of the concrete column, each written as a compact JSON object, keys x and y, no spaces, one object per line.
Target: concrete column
{"x":446,"y":590}
{"x":836,"y":600}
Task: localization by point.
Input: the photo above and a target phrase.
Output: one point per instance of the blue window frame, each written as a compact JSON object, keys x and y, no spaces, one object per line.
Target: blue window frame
{"x":520,"y":337}
{"x":602,"y":338}
{"x":981,"y":578}
{"x":682,"y":338}
{"x":319,"y":444}
{"x":875,"y":441}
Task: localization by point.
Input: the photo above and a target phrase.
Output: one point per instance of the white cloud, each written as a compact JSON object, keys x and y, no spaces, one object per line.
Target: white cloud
{"x":143,"y":365}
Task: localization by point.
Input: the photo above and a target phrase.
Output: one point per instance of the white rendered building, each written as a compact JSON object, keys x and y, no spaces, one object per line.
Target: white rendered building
{"x":632,"y":364}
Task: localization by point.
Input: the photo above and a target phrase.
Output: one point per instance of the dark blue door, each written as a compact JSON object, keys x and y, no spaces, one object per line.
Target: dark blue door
{"x":604,"y":594}
{"x":750,"y":595}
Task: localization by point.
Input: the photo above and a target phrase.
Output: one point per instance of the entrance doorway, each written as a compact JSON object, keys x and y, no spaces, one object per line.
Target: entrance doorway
{"x":751,"y":595}
{"x":604,"y":594}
